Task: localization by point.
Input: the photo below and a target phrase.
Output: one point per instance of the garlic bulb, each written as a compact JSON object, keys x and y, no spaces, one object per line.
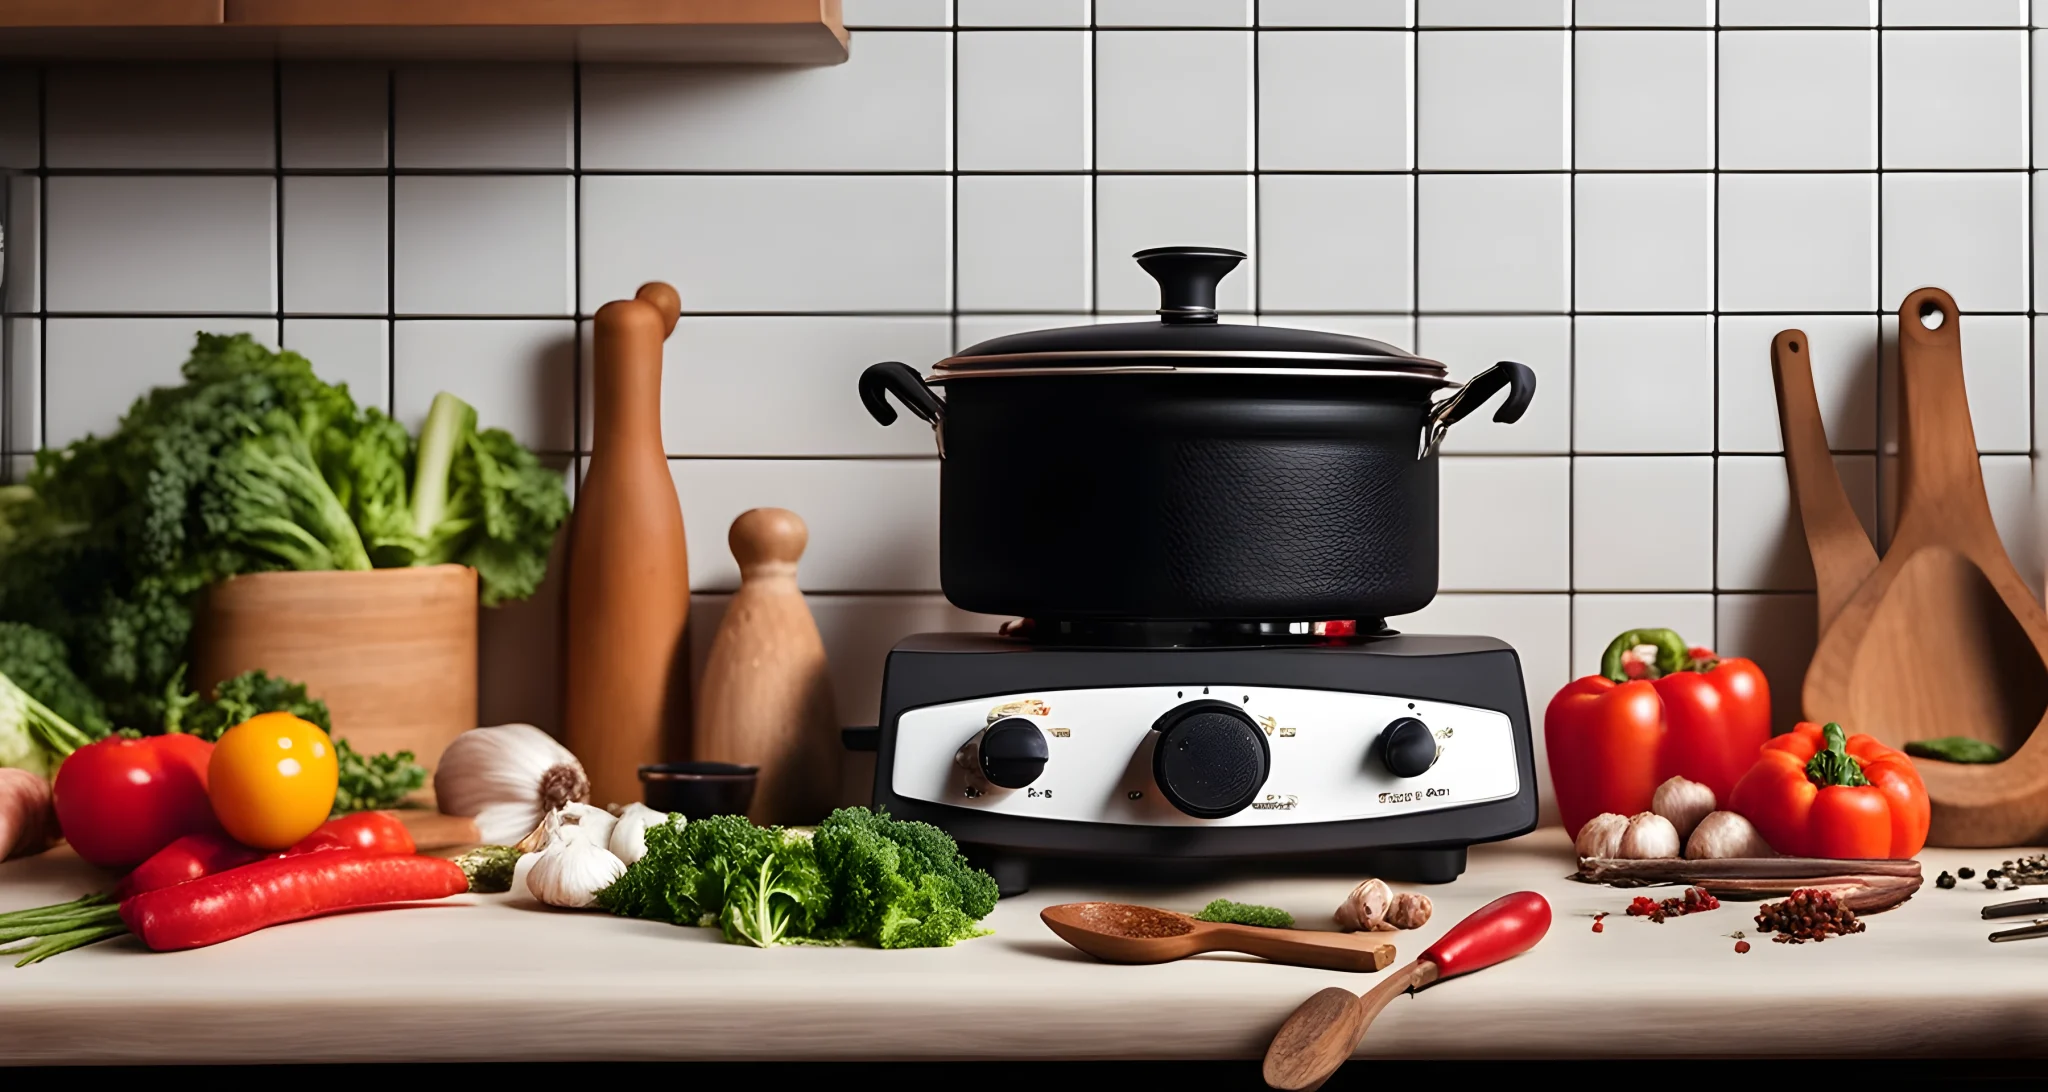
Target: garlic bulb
{"x":573,"y":869}
{"x":1365,"y":908}
{"x":1410,"y":911}
{"x":1601,"y":836}
{"x":1683,"y":802}
{"x":508,"y":778}
{"x":1726,"y":834}
{"x":1649,"y":836}
{"x":629,"y":835}
{"x":593,"y":820}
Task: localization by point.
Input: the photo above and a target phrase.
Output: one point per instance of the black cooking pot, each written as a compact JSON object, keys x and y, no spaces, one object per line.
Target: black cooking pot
{"x":1189,"y":470}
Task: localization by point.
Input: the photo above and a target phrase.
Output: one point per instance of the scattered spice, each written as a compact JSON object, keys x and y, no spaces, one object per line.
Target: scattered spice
{"x":1695,"y":900}
{"x":1741,"y":946}
{"x":1966,"y":873}
{"x":1141,"y":922}
{"x":1597,"y":926}
{"x":1807,"y":914}
{"x":1944,"y":881}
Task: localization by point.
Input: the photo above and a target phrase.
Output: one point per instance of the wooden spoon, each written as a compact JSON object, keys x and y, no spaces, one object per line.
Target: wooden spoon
{"x":1843,"y":557}
{"x":1944,"y":638}
{"x":1327,"y":1028}
{"x":1117,"y":932}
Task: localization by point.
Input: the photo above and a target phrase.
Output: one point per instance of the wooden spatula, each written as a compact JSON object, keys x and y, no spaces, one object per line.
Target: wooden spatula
{"x":1944,"y":638}
{"x":1843,"y":557}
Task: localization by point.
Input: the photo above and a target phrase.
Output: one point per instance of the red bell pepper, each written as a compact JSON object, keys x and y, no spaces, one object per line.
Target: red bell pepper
{"x":1658,"y":709}
{"x":1819,"y":792}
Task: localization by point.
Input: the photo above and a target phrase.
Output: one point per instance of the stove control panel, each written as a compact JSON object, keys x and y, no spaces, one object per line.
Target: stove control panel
{"x":1200,"y":755}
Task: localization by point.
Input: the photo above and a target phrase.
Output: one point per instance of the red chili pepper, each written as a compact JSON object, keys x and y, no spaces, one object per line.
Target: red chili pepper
{"x":374,"y":831}
{"x":197,"y":855}
{"x":283,"y":889}
{"x":188,"y":858}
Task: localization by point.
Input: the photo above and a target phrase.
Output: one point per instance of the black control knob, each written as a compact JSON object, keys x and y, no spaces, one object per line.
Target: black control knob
{"x":1210,"y":759}
{"x":1407,"y":748}
{"x":1012,"y":753}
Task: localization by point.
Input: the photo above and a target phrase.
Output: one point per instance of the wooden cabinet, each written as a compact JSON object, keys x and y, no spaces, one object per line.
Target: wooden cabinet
{"x":700,"y":31}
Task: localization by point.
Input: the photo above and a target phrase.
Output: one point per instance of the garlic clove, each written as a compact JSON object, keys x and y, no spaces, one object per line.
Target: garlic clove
{"x":1649,"y":836}
{"x":1410,"y":911}
{"x":1726,"y":834}
{"x":1601,"y":836}
{"x":1683,"y":802}
{"x":595,"y":821}
{"x":628,"y":840}
{"x":1365,"y":907}
{"x":573,"y":869}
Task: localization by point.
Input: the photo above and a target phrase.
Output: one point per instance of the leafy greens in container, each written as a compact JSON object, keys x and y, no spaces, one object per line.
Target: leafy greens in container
{"x":253,"y":464}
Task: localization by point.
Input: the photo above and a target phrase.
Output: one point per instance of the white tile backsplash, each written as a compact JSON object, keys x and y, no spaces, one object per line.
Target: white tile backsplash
{"x":753,"y":243}
{"x":1135,"y":212}
{"x":1643,"y":383}
{"x":1966,"y":232}
{"x":1642,"y":523}
{"x":1024,"y":242}
{"x":1955,"y":98}
{"x":1336,"y":100}
{"x":1798,"y":242}
{"x":1643,"y":100}
{"x":337,"y":253}
{"x":891,"y":111}
{"x":1493,"y":242}
{"x":1643,"y":242}
{"x":336,"y":115}
{"x":1794,"y":166}
{"x":1336,"y":242}
{"x":1798,"y":100}
{"x":205,"y":114}
{"x":1518,"y":117}
{"x":480,"y":116}
{"x":1024,"y":100}
{"x":154,"y":244}
{"x":95,"y":368}
{"x":1173,"y":100}
{"x":482,"y":245}
{"x":355,"y":351}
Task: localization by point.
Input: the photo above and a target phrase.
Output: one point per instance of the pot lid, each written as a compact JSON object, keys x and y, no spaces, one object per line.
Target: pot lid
{"x":1187,"y":335}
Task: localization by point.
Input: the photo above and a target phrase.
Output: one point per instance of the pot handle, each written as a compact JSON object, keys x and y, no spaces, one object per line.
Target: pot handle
{"x":1519,"y":381}
{"x":900,"y":379}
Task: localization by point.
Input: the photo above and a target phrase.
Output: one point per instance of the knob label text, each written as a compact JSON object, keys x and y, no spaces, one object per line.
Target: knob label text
{"x":1413,"y":795}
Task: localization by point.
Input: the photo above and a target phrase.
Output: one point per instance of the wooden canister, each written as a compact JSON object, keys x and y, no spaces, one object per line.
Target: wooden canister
{"x":391,"y":651}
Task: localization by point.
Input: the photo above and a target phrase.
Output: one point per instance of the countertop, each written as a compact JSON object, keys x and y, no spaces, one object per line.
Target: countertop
{"x":501,"y":978}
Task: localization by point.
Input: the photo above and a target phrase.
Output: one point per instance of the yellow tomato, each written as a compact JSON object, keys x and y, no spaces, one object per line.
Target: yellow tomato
{"x":272,"y":780}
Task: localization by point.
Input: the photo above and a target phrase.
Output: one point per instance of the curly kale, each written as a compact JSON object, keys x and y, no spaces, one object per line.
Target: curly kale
{"x":36,"y":662}
{"x":862,"y":877}
{"x":252,"y":464}
{"x":367,"y":782}
{"x":1245,"y":913}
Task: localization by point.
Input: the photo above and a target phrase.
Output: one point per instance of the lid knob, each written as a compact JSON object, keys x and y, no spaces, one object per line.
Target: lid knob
{"x":1187,"y":277}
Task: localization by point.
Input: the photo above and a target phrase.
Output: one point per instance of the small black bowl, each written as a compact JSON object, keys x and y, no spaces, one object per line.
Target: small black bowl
{"x":699,"y":789}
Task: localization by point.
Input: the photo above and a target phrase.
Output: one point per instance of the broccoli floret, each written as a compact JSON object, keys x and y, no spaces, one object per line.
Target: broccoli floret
{"x":900,"y":884}
{"x":37,"y":663}
{"x":759,"y":885}
{"x":1244,"y":913}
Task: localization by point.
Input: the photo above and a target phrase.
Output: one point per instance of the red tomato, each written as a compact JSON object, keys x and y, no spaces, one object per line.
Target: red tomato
{"x":120,"y":800}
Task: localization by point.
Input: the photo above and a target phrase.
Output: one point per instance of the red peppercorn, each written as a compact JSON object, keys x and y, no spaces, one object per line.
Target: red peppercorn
{"x":1741,"y":946}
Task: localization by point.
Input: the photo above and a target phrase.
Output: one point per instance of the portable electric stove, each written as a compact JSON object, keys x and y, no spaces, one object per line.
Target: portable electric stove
{"x":1226,"y":741}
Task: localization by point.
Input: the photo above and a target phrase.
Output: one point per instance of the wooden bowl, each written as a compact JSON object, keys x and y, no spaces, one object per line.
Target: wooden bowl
{"x":391,"y":651}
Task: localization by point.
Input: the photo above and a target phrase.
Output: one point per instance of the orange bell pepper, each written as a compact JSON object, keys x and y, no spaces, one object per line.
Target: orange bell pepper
{"x":1819,"y":792}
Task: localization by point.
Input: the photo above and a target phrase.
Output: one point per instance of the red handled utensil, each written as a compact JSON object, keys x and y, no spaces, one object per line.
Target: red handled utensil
{"x":1327,"y":1028}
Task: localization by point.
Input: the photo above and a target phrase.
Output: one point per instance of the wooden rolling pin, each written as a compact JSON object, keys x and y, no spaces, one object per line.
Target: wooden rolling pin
{"x":626,"y":700}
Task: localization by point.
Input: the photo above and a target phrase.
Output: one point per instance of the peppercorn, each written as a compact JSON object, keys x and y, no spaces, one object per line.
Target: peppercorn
{"x":1807,"y":914}
{"x":1993,"y":874}
{"x":1944,"y":881}
{"x":1990,"y":884}
{"x":1966,"y":872}
{"x":1741,"y":946}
